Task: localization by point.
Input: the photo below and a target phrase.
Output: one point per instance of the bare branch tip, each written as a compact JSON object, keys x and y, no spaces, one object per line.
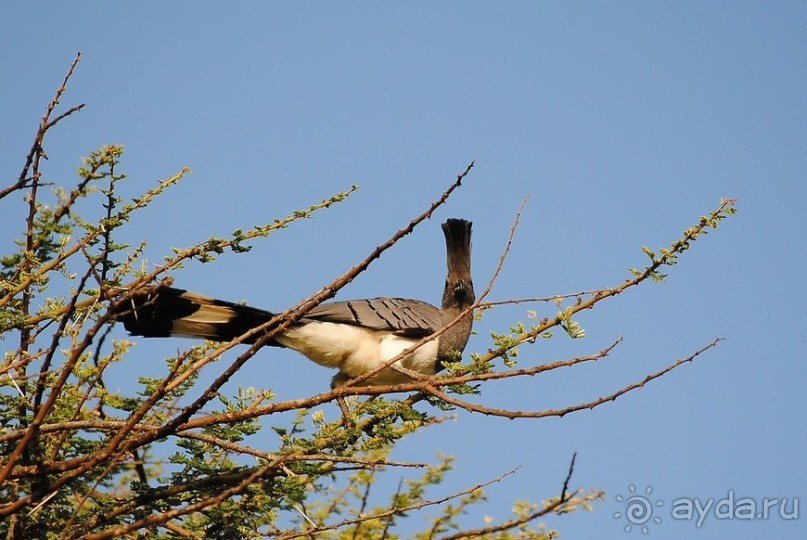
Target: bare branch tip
{"x":569,"y":474}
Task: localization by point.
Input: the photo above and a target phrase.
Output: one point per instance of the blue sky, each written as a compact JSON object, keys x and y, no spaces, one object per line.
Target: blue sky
{"x":623,"y":121}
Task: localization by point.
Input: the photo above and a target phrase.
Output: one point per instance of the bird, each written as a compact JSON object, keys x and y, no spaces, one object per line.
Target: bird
{"x":354,"y":336}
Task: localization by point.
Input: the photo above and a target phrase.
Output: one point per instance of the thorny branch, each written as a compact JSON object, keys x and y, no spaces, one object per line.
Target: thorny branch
{"x":431,"y":388}
{"x":37,"y":151}
{"x":558,"y":506}
{"x":392,"y":511}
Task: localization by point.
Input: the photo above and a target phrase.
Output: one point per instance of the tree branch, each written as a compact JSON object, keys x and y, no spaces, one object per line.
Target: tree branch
{"x":45,"y":124}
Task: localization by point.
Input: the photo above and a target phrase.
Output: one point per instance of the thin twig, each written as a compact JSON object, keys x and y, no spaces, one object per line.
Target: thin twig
{"x":393,"y":510}
{"x":44,"y":126}
{"x":505,"y":252}
{"x":506,"y":413}
{"x":555,"y":506}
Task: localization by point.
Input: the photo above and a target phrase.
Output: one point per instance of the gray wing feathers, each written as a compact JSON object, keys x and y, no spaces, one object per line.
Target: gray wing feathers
{"x":409,"y":317}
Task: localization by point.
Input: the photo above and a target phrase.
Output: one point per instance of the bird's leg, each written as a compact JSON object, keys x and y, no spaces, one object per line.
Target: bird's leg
{"x":339,"y":380}
{"x":345,"y":411}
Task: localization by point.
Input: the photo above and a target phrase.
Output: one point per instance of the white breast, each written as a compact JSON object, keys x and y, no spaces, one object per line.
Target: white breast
{"x":355,"y":350}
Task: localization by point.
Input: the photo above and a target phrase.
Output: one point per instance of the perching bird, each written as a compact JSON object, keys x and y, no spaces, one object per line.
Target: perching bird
{"x":353,"y":336}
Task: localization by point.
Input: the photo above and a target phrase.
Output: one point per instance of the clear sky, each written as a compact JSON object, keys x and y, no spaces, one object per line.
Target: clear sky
{"x":625,"y":121}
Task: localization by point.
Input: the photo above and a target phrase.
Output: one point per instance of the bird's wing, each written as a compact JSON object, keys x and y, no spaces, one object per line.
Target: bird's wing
{"x":399,"y":315}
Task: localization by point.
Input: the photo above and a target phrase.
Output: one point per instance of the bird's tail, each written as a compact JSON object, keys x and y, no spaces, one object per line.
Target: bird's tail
{"x":165,"y":311}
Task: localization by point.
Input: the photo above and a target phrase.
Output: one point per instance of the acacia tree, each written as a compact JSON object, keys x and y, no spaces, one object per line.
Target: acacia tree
{"x":78,"y":458}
